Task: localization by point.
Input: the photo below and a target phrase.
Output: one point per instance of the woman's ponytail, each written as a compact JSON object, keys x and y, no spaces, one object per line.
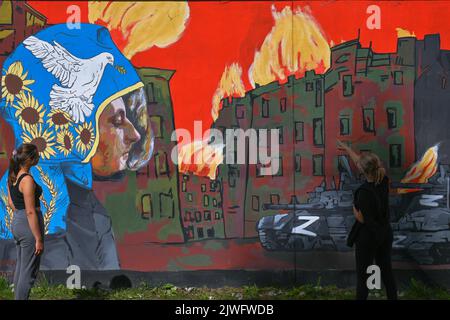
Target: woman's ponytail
{"x":14,"y":168}
{"x":381,"y":172}
{"x":26,"y":155}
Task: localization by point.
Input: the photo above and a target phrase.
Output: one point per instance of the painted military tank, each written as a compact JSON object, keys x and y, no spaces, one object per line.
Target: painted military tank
{"x":420,"y":219}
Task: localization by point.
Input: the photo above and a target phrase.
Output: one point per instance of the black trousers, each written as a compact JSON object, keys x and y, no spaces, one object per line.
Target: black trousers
{"x":368,"y":250}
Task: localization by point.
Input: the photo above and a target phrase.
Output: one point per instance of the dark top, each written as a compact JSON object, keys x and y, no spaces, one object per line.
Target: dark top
{"x":17,"y":196}
{"x":373,"y":202}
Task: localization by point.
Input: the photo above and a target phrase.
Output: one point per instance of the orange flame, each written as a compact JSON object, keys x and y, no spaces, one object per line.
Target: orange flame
{"x":403,"y":33}
{"x":200,"y":158}
{"x":230,"y":85}
{"x":142,"y":24}
{"x":295,"y":45}
{"x":422,"y":170}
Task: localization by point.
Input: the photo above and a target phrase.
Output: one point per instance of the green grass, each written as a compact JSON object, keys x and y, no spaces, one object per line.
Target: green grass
{"x":43,"y":290}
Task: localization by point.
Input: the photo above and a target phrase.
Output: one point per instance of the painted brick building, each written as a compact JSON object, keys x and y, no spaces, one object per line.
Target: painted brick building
{"x":372,"y":101}
{"x":235,"y":114}
{"x":201,"y":203}
{"x":296,"y":109}
{"x":369,"y":104}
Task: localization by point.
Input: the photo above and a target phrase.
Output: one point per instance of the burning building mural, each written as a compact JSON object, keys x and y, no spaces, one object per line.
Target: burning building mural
{"x":124,"y":191}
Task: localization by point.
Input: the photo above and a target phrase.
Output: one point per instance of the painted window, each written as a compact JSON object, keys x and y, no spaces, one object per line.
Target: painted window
{"x":205,"y":200}
{"x":162,"y":167}
{"x":395,"y":155}
{"x":299,"y":131}
{"x":318,"y":131}
{"x":151,"y":92}
{"x":275,"y":199}
{"x":200,"y":233}
{"x":318,"y":165}
{"x":147,"y":206}
{"x":398,"y":77}
{"x":217,"y":215}
{"x":207,"y":215}
{"x":29,"y":19}
{"x":198,"y":216}
{"x":265,"y":108}
{"x":255,"y":203}
{"x":318,"y":93}
{"x":203,"y":187}
{"x":166,"y":205}
{"x":188,"y":216}
{"x":309,"y":86}
{"x":157,"y":126}
{"x":283,"y":103}
{"x":190,"y":232}
{"x":231,"y":179}
{"x":240,"y":111}
{"x":368,"y":120}
{"x":183,"y":186}
{"x":280,"y":135}
{"x":210,"y":232}
{"x":298,"y":163}
{"x":158,"y":93}
{"x":391,"y":118}
{"x":6,"y":12}
{"x":189,"y":197}
{"x":347,"y":84}
{"x":344,"y":126}
{"x":226,"y":103}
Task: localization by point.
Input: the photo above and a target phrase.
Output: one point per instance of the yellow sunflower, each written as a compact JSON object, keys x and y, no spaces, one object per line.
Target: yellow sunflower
{"x":42,"y":139}
{"x":85,"y":137}
{"x":15,"y":82}
{"x":64,"y":140}
{"x":59,"y":118}
{"x":29,"y":112}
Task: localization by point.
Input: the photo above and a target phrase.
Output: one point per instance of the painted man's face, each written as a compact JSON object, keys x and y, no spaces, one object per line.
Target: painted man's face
{"x":117,"y":136}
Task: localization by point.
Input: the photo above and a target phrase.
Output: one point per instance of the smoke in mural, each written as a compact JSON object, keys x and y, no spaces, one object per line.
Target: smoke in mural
{"x":113,"y":102}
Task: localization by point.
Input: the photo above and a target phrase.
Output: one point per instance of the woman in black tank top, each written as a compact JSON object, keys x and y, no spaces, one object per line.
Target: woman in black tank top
{"x":372,"y":232}
{"x":27,"y":223}
{"x":17,"y":196}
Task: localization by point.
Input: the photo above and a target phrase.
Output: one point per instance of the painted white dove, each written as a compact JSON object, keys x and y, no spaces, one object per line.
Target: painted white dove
{"x":79,"y":77}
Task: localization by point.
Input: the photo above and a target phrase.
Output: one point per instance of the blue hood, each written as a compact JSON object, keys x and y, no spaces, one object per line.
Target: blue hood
{"x":55,"y":85}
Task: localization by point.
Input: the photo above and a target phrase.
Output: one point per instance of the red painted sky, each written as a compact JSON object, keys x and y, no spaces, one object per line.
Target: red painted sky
{"x":219,"y":33}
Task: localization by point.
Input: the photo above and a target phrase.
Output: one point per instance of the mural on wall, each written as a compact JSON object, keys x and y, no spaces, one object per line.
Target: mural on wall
{"x":103,"y":115}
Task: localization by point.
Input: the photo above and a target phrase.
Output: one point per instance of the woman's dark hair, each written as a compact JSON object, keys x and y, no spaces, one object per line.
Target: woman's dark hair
{"x":26,"y":155}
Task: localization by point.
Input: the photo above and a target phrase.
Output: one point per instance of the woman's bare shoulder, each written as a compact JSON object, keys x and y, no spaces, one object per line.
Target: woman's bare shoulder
{"x":27,"y":181}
